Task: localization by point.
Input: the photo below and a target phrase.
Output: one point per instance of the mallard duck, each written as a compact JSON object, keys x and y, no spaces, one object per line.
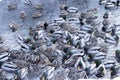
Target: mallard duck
{"x":10,"y":67}
{"x":23,"y":14}
{"x":37,"y":15}
{"x":72,"y":10}
{"x":12,"y":6}
{"x":102,"y":2}
{"x":63,"y":7}
{"x":4,"y":49}
{"x":110,"y":39}
{"x":59,"y":20}
{"x":14,"y":26}
{"x":117,"y":55}
{"x":109,"y":5}
{"x":113,"y":71}
{"x":38,"y":6}
{"x":74,"y":20}
{"x":4,"y":56}
{"x":105,"y":15}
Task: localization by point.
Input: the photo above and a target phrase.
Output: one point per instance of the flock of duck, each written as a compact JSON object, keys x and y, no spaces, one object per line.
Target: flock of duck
{"x":72,"y":47}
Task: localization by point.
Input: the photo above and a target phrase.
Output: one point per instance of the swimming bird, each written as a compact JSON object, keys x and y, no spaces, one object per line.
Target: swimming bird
{"x":72,"y":10}
{"x":9,"y":67}
{"x":4,"y":56}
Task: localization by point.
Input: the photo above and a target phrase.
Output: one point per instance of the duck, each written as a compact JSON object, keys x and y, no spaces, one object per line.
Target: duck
{"x":74,"y":20}
{"x":4,"y":57}
{"x":87,"y":38}
{"x":50,"y":72}
{"x":94,"y":50}
{"x":105,"y":16}
{"x":80,"y":63}
{"x":81,"y":43}
{"x":117,"y":3}
{"x":23,"y":14}
{"x":109,"y":5}
{"x":63,"y":7}
{"x":105,"y":22}
{"x":115,"y":30}
{"x":37,"y":6}
{"x":63,"y":14}
{"x":110,"y":39}
{"x":4,"y":49}
{"x":91,"y":19}
{"x":22,"y":73}
{"x":72,"y":10}
{"x":107,"y":29}
{"x":74,"y":39}
{"x":24,"y":47}
{"x":113,"y":1}
{"x":117,"y":55}
{"x":14,"y":26}
{"x":12,"y":6}
{"x":81,"y":21}
{"x":82,"y":33}
{"x":102,"y":2}
{"x":37,"y":15}
{"x":100,"y":56}
{"x":41,"y":33}
{"x":77,"y":52}
{"x":43,"y":76}
{"x":20,"y":39}
{"x":99,"y":34}
{"x":100,"y":71}
{"x":114,"y":72}
{"x":86,"y":28}
{"x":10,"y":67}
{"x":109,"y":63}
{"x":27,"y":1}
{"x":59,"y":20}
{"x":92,"y":11}
{"x":1,"y":74}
